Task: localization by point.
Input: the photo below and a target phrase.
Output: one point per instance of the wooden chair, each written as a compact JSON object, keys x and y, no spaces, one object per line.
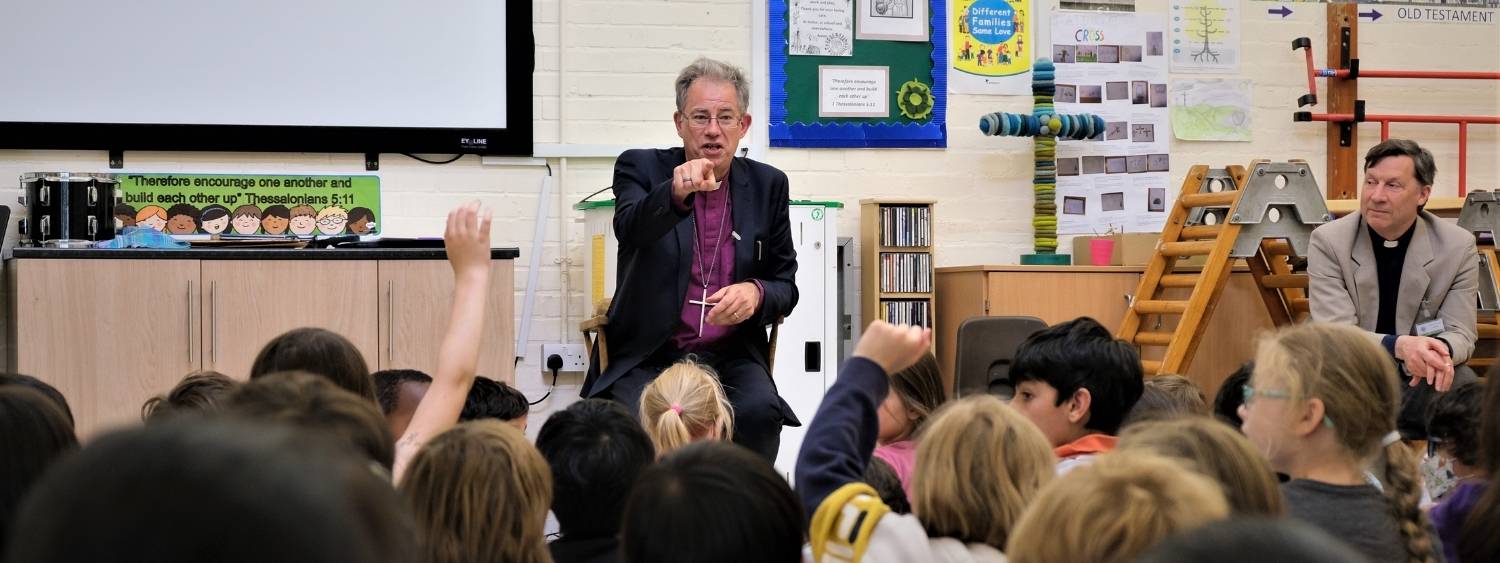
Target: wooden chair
{"x":593,"y":334}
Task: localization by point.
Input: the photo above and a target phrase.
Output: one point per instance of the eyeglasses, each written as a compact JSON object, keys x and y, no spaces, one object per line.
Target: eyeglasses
{"x":726,"y":122}
{"x":1251,"y":393}
{"x":330,"y":221}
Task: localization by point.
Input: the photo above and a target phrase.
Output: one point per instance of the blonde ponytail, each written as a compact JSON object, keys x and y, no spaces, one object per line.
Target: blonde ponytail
{"x":684,"y":404}
{"x":671,"y":432}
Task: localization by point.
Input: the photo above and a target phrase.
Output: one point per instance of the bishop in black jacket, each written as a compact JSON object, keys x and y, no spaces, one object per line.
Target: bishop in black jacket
{"x":706,"y":260}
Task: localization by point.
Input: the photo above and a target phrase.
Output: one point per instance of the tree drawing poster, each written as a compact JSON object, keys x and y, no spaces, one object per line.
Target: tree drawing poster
{"x":1205,"y":36}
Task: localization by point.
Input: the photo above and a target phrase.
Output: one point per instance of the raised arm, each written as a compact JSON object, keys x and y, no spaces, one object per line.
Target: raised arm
{"x":467,"y":241}
{"x":842,"y":436}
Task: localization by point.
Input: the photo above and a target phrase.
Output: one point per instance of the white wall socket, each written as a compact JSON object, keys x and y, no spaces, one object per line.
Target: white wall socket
{"x":572,"y":356}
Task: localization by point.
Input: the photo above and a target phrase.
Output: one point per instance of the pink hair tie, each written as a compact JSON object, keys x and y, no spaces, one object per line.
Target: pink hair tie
{"x":677,"y":409}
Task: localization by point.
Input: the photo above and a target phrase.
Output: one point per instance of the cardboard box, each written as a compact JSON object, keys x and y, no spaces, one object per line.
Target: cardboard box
{"x":1131,"y":249}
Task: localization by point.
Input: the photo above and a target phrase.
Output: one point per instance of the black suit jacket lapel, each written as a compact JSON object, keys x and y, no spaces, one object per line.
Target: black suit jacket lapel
{"x":744,"y":217}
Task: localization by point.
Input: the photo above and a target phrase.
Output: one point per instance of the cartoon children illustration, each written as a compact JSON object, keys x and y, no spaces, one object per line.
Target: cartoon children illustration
{"x":274,"y":220}
{"x":182,"y":219}
{"x":152,"y":216}
{"x":361,"y":219}
{"x":124,"y":216}
{"x":246,"y":220}
{"x":215,"y":219}
{"x":304,"y":220}
{"x":331,"y":220}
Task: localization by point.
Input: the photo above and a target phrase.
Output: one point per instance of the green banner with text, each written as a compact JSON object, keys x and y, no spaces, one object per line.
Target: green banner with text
{"x":233,"y":204}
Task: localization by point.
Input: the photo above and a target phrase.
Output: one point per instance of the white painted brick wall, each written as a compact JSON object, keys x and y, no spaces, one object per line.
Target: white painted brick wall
{"x":605,"y":78}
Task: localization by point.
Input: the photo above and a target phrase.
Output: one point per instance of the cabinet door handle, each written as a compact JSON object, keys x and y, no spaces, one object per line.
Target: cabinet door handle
{"x":390,"y":321}
{"x":190,"y":322}
{"x":213,"y":324}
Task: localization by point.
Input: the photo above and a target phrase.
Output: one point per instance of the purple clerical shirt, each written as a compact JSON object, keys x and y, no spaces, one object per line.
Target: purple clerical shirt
{"x":714,"y":220}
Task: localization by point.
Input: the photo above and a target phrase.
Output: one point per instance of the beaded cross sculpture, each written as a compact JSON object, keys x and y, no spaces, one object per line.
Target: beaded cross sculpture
{"x":1045,"y":126}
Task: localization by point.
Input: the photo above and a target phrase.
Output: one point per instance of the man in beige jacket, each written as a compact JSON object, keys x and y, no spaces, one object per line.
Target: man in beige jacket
{"x":1403,"y":274}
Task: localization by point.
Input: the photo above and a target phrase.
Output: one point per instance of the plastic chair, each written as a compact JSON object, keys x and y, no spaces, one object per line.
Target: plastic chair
{"x":986,"y":349}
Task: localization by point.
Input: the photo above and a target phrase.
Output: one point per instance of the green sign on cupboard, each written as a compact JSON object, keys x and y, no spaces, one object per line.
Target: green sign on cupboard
{"x":231,"y":204}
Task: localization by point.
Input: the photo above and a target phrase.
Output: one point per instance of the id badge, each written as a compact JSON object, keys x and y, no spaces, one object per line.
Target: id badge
{"x":1433,"y":327}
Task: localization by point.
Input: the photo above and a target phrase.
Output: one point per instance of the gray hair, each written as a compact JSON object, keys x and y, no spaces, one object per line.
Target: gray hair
{"x":1421,"y":159}
{"x":717,"y":70}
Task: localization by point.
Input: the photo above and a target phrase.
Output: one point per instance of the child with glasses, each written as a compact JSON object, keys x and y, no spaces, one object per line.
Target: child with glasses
{"x":1321,"y":405}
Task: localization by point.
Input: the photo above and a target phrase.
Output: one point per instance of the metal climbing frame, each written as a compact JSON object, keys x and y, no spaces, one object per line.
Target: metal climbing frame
{"x":1351,"y":72}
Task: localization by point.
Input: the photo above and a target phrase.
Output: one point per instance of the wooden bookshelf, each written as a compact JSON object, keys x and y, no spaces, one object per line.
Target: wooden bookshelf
{"x":896,"y":258}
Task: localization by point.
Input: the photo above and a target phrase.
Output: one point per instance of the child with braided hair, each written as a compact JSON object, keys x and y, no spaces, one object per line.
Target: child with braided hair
{"x":1321,"y":405}
{"x":685,"y":404}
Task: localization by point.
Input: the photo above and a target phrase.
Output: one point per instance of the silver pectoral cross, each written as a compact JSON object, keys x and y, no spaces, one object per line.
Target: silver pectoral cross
{"x":703,"y":306}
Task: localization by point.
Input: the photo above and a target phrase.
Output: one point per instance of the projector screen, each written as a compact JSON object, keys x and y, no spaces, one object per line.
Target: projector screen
{"x":276,"y":75}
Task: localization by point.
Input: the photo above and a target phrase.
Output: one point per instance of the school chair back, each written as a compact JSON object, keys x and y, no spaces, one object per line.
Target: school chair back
{"x":986,"y":350}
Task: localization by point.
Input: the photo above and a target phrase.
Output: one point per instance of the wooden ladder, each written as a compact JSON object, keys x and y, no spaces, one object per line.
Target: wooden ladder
{"x":1205,"y":221}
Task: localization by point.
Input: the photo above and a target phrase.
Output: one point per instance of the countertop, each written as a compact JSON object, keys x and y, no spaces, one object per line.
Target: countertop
{"x":252,"y":253}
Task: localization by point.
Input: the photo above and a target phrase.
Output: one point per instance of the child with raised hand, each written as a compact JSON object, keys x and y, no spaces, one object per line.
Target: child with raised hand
{"x":467,"y":242}
{"x":978,"y":465}
{"x":685,"y":404}
{"x":1321,"y":406}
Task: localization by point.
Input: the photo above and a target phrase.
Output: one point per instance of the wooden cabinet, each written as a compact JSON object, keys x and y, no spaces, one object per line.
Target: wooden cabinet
{"x":246,"y":303}
{"x":111,"y":333}
{"x":1061,"y":293}
{"x":107,"y":333}
{"x":415,"y":299}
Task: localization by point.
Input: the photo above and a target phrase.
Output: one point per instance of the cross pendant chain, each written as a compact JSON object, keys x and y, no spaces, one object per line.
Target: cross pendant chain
{"x":707,"y":271}
{"x":702,"y":310}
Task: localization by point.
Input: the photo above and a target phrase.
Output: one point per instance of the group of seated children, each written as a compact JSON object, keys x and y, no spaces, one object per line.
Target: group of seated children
{"x":316,"y":459}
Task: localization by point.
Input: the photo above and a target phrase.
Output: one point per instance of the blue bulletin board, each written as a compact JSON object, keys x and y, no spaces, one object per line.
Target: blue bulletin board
{"x":918,"y":84}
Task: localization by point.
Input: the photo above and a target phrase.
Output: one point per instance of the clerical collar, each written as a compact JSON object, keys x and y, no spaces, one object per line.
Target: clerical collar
{"x":1401,"y":241}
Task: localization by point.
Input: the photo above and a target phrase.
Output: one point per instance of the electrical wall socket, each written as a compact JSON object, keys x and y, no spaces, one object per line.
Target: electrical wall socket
{"x":572,"y":356}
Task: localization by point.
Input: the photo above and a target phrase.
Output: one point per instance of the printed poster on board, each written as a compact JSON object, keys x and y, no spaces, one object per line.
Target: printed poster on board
{"x":992,"y":47}
{"x":231,"y":204}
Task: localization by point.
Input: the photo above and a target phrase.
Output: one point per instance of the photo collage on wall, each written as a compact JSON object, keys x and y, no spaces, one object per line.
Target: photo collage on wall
{"x":1112,"y":65}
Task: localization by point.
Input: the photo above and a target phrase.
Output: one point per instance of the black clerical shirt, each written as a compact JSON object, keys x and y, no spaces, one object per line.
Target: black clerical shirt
{"x":1389,"y":261}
